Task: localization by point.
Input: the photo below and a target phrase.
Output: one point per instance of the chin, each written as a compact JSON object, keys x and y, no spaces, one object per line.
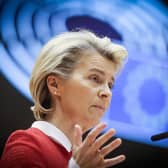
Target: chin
{"x":90,"y":123}
{"x":93,"y":124}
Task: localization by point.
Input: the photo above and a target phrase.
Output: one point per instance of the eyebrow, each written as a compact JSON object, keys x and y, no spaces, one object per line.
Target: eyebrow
{"x":101,"y":72}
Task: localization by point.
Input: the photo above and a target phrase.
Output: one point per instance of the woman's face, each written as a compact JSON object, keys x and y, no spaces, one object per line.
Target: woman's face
{"x":87,"y":93}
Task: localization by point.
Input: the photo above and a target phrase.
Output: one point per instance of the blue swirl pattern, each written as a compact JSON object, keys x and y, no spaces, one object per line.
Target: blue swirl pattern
{"x":139,"y":107}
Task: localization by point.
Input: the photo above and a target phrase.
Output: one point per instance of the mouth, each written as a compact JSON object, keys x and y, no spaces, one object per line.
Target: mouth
{"x":99,"y":107}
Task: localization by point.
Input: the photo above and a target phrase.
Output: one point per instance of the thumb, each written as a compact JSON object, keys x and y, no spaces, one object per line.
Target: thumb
{"x":77,"y":138}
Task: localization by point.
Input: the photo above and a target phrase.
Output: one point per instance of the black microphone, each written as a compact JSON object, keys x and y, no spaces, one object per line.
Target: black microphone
{"x":159,"y":136}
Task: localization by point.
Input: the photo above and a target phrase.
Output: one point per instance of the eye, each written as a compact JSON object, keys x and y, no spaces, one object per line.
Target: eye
{"x":111,"y":85}
{"x":95,"y":78}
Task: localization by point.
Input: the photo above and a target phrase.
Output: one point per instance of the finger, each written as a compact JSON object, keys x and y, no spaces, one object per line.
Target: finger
{"x":110,"y":147}
{"x":104,"y":138}
{"x":94,"y":133}
{"x":77,"y":139}
{"x":114,"y":161}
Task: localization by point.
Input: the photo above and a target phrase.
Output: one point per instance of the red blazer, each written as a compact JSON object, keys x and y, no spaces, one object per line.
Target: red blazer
{"x":31,"y":148}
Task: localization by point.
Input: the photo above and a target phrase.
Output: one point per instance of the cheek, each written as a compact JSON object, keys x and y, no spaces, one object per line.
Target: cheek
{"x":78,"y":97}
{"x":83,"y":95}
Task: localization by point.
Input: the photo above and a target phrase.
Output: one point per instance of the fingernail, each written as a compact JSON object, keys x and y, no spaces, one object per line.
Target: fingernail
{"x":123,"y":157}
{"x":77,"y":126}
{"x":103,"y":123}
{"x":112,"y":130}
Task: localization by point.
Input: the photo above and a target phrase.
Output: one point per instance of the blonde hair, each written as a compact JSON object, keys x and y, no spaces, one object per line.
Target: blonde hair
{"x":60,"y":55}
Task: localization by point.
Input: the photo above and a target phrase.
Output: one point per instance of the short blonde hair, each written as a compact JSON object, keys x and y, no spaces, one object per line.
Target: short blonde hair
{"x":60,"y":55}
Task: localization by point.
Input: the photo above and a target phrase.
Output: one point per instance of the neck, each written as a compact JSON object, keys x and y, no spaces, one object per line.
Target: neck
{"x":63,"y":122}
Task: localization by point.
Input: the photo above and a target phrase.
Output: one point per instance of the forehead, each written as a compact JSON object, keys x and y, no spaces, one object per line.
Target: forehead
{"x":96,"y":61}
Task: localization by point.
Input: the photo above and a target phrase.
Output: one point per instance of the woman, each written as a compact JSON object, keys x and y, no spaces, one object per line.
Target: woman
{"x":71,"y":87}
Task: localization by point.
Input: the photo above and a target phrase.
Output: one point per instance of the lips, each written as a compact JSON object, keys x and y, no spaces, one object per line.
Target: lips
{"x":99,"y":107}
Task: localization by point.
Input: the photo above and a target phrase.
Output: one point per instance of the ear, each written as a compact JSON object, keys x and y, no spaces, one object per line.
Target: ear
{"x":53,"y":84}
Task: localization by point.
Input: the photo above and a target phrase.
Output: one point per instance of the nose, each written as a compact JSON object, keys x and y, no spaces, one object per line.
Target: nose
{"x":105,"y":92}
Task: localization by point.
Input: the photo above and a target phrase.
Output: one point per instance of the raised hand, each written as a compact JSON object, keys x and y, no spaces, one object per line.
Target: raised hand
{"x":91,"y":153}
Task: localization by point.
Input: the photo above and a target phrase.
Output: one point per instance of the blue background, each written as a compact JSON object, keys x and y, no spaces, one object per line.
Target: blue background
{"x":139,"y":107}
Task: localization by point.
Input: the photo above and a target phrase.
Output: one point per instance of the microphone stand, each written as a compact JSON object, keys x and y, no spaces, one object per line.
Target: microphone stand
{"x":159,"y":136}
